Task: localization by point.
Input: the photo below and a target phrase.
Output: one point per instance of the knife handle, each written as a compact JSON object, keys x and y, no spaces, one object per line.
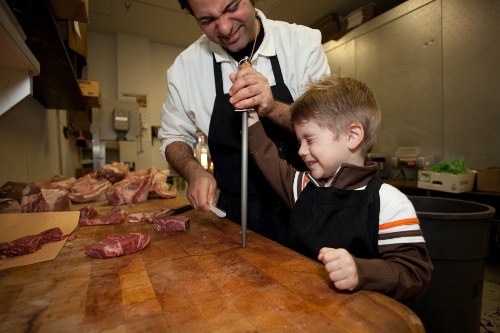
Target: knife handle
{"x":181,"y":209}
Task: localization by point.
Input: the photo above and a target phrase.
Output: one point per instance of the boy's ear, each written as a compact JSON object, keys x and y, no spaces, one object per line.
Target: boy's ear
{"x":356,"y":136}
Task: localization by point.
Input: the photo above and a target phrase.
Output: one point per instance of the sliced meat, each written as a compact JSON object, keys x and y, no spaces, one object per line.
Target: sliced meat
{"x":8,"y":205}
{"x":117,"y":209}
{"x":114,"y":218}
{"x":89,"y":188}
{"x":159,"y":185}
{"x":114,"y":172}
{"x":173,"y":223}
{"x":148,"y":216}
{"x":48,"y":200}
{"x":63,"y":184}
{"x":32,"y":243}
{"x":133,"y":189}
{"x":137,"y":185}
{"x":58,"y":178}
{"x":87,"y":212}
{"x":16,"y":190}
{"x":118,"y":245}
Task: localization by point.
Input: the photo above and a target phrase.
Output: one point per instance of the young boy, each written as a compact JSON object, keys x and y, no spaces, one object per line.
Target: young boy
{"x":365,"y":232}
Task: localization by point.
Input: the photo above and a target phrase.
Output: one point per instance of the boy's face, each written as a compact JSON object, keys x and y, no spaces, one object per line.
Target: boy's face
{"x":322,"y":150}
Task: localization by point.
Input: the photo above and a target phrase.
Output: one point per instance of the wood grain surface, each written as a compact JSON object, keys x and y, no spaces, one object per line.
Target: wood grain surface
{"x":201,"y":280}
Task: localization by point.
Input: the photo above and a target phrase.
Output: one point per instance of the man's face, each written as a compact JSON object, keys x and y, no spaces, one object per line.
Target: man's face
{"x":229,"y":23}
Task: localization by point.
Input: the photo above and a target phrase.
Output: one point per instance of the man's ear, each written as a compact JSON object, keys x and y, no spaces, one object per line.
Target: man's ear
{"x":356,"y":136}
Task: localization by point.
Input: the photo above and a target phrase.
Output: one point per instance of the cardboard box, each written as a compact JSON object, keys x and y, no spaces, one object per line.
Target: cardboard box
{"x":488,"y":179}
{"x":75,"y":10}
{"x":77,"y":37}
{"x":446,"y":182}
{"x":91,"y":92}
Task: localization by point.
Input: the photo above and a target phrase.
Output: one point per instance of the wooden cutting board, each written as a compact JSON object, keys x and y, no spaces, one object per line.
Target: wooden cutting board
{"x":201,"y":280}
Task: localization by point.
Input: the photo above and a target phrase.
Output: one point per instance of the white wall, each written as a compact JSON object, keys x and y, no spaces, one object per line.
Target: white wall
{"x":32,"y":144}
{"x":127,"y":64}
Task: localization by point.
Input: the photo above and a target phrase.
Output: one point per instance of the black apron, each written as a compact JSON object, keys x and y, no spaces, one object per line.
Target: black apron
{"x":267,"y":213}
{"x":337,"y":218}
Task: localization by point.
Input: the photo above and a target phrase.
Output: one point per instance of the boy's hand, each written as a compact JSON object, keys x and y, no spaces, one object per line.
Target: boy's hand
{"x":253,"y":117}
{"x":340,"y":266}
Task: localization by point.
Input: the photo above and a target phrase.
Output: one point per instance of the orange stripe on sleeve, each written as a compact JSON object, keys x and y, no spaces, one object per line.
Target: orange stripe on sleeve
{"x":304,"y":181}
{"x":398,"y":223}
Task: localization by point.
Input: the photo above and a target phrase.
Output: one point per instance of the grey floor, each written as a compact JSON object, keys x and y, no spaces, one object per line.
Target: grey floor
{"x":490,"y":319}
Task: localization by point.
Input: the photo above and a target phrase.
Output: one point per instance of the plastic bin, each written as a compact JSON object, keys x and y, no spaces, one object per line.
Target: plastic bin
{"x":457,"y":237}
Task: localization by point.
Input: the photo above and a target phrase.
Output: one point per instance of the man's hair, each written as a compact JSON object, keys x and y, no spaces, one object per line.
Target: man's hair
{"x":335,"y":103}
{"x":185,"y":5}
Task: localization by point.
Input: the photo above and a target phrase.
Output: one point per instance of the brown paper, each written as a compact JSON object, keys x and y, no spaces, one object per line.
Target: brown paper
{"x":14,"y":226}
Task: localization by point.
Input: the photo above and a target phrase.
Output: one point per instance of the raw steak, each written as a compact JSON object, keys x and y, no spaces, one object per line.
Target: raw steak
{"x":114,"y":218}
{"x":87,"y":212}
{"x":173,"y":223}
{"x":8,"y":205}
{"x":137,"y":185}
{"x":48,"y":200}
{"x":118,"y":245}
{"x":148,"y":216}
{"x":89,"y":188}
{"x":133,"y":189}
{"x":117,"y":209}
{"x":16,"y":190}
{"x":32,"y":243}
{"x":159,"y":185}
{"x":63,"y":184}
{"x":114,"y":172}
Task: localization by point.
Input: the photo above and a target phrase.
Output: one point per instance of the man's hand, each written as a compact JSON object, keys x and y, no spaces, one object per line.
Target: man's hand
{"x":201,"y":184}
{"x":251,"y":89}
{"x":341,"y":267}
{"x":253,"y":117}
{"x":201,"y":190}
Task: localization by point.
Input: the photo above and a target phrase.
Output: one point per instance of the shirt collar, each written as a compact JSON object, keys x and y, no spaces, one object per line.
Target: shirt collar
{"x":349,"y":176}
{"x":266,"y":49}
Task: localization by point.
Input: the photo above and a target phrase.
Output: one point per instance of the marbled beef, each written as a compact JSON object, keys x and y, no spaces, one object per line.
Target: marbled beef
{"x":117,"y":245}
{"x":173,"y":223}
{"x":48,"y":200}
{"x":114,"y":172}
{"x":32,"y":243}
{"x":133,"y":189}
{"x":114,"y":218}
{"x":137,"y":185}
{"x":8,"y":205}
{"x":89,"y":188}
{"x":149,"y":216}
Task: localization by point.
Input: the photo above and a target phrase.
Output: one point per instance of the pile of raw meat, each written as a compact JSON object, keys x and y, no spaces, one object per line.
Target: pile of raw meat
{"x":113,"y":182}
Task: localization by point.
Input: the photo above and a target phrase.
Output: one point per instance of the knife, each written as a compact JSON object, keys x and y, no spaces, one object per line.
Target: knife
{"x":217,"y":211}
{"x":180,"y":209}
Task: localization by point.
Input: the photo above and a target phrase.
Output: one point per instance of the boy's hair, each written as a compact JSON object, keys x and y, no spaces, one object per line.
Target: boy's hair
{"x":336,"y":102}
{"x":185,"y":5}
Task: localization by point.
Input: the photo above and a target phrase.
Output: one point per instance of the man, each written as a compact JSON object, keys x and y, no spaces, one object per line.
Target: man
{"x":205,"y":87}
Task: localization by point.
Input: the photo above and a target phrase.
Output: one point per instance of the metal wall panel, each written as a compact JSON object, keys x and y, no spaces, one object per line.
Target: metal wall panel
{"x":341,"y":59}
{"x":471,"y":58}
{"x":401,"y":62}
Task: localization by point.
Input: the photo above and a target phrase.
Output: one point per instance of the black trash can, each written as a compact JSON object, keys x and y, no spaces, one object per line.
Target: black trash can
{"x":457,"y":237}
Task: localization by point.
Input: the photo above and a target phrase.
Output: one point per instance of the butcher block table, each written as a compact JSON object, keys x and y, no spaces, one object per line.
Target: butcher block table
{"x":201,"y":280}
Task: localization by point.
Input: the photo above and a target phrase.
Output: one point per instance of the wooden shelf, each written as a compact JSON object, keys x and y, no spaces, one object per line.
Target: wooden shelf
{"x":56,"y":87}
{"x":17,"y":63}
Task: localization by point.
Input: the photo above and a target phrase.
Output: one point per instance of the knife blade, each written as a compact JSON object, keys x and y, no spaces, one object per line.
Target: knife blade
{"x":181,"y":209}
{"x":217,"y":211}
